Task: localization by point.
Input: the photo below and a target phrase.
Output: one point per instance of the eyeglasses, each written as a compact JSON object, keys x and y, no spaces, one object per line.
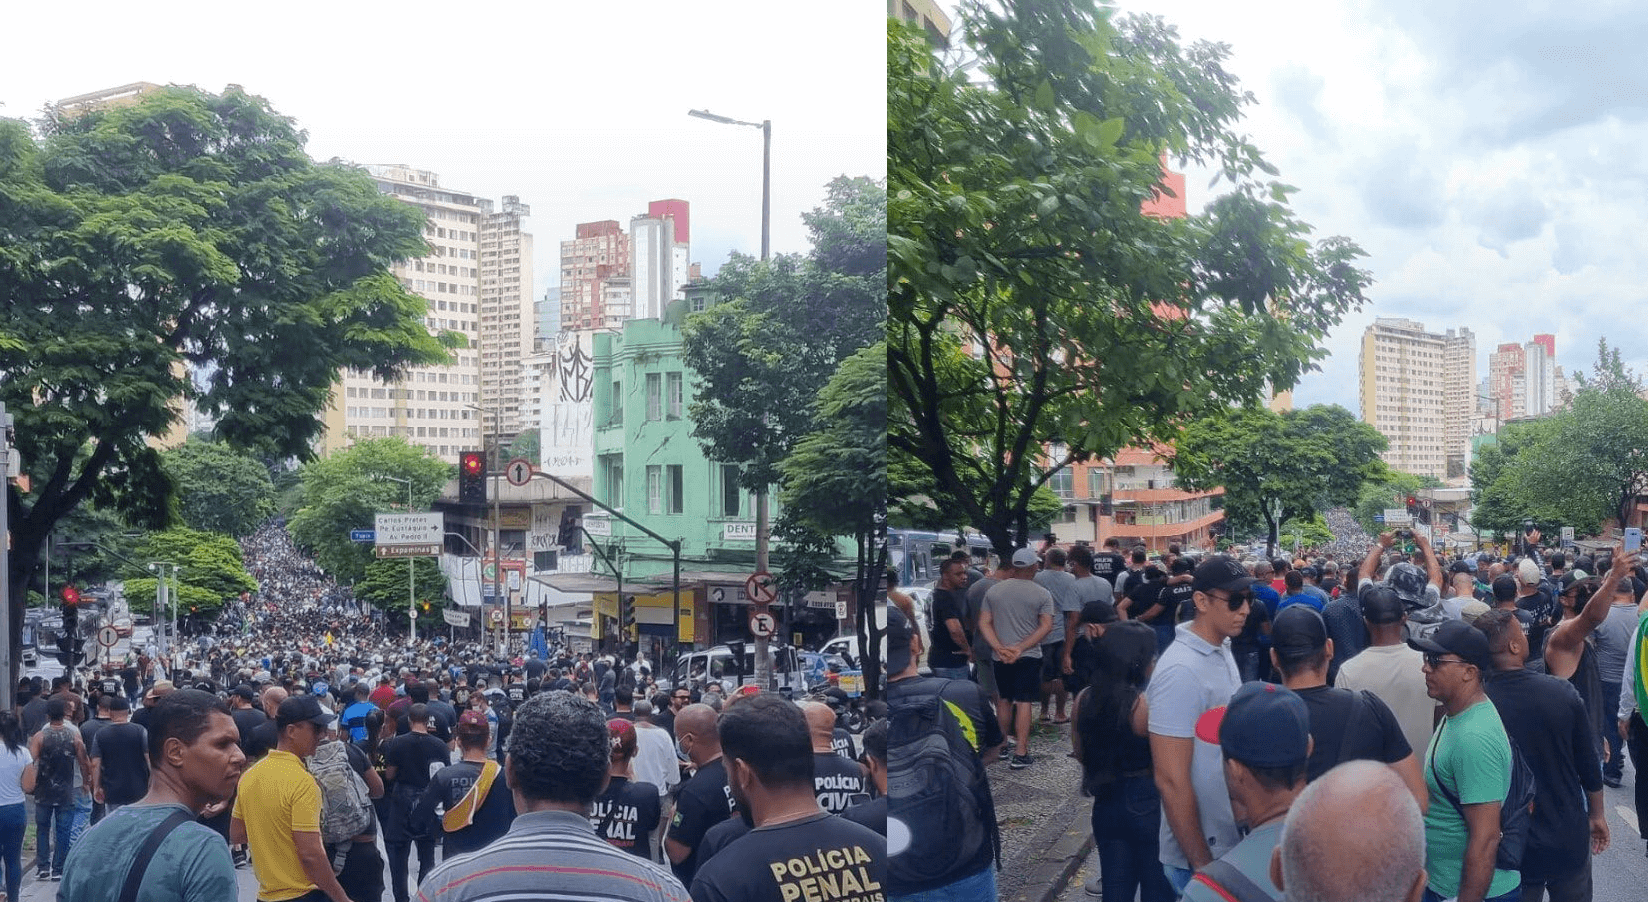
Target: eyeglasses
{"x":1434,"y":661}
{"x":1234,"y":599}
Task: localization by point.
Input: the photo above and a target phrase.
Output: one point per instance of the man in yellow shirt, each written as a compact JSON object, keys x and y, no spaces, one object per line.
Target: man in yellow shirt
{"x":278,"y":812}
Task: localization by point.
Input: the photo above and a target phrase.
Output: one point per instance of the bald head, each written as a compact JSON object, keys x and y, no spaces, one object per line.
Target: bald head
{"x":272,"y":697}
{"x":821,"y":724}
{"x":698,"y":723}
{"x":1377,"y":856}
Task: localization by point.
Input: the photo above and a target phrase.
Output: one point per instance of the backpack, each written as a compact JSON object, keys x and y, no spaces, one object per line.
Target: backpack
{"x":54,"y":773}
{"x":345,"y":802}
{"x":937,"y":784}
{"x":1516,"y":813}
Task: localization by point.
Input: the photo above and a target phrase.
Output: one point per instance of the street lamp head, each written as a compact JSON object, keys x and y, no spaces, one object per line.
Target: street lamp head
{"x":706,"y":114}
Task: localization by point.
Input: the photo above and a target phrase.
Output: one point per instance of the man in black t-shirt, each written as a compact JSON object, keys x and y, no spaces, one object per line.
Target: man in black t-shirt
{"x":1544,"y":716}
{"x":952,"y":647}
{"x":796,"y":849}
{"x":409,"y":762}
{"x":703,"y":801}
{"x":838,"y":782}
{"x":1109,"y":563}
{"x":247,"y":717}
{"x":120,"y":758}
{"x":1347,"y":725}
{"x":872,"y":812}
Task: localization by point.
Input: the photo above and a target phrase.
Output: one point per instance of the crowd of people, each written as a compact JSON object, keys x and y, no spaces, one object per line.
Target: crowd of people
{"x":300,"y":740}
{"x":1227,"y":713}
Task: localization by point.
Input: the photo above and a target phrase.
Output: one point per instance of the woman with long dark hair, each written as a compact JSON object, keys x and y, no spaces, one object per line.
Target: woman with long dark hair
{"x":1111,"y":740}
{"x":14,"y":757}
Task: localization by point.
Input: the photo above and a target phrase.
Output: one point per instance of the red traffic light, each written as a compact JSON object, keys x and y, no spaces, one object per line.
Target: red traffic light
{"x":472,"y":462}
{"x":71,"y":595}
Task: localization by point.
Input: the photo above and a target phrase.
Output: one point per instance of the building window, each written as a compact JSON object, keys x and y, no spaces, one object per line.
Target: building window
{"x":1062,"y":483}
{"x":677,"y":490}
{"x":729,"y":490}
{"x":655,"y":489}
{"x":1095,"y":483}
{"x":674,"y":396}
{"x":613,"y":466}
{"x":655,"y":397}
{"x":617,"y":418}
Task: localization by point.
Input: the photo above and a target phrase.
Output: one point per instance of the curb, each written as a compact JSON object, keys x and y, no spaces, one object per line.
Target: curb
{"x":1059,"y":863}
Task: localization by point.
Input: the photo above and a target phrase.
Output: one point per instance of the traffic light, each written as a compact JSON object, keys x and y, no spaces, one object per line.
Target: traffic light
{"x":626,"y":616}
{"x":472,"y":477}
{"x":68,"y":642}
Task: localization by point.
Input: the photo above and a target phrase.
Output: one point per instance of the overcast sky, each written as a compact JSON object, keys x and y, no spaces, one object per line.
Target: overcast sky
{"x":578,"y":108}
{"x":1488,"y":156}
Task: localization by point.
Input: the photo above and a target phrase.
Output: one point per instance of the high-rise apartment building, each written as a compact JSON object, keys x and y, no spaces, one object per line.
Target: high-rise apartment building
{"x":599,"y":252}
{"x":659,"y":247}
{"x":1524,"y":380}
{"x":925,"y":13}
{"x":506,"y":323}
{"x":1409,"y":380}
{"x":431,"y":406}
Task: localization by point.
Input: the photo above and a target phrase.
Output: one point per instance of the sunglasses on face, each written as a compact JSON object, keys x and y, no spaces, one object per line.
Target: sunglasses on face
{"x":1236,"y":600}
{"x":1436,"y":661}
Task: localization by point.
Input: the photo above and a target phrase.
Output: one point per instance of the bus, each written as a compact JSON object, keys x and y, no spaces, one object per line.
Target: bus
{"x":917,"y":555}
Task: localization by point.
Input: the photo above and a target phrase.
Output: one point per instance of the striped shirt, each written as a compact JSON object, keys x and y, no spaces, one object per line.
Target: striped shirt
{"x":553,"y":856}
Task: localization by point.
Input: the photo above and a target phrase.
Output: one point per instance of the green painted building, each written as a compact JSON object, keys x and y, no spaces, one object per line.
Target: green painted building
{"x":649,"y":466}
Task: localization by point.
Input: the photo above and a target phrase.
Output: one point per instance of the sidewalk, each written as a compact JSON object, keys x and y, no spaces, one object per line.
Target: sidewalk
{"x":1046,"y":826}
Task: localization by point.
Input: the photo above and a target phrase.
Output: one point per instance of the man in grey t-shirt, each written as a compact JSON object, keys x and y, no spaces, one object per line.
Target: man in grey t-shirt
{"x":1062,"y":586}
{"x":1016,"y":617}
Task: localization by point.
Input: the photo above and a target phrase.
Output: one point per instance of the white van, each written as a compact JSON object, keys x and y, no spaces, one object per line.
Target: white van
{"x":698,"y":667}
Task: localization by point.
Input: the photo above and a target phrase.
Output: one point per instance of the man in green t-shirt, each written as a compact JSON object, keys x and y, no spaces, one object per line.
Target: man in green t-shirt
{"x":1469,"y":757}
{"x":195,"y":762}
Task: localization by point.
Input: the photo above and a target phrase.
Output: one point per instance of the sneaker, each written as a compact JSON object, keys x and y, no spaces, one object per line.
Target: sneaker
{"x":43,"y":874}
{"x":1007,"y":751}
{"x":239,"y":857}
{"x":1020,"y":762}
{"x":1094,"y":887}
{"x":1612,"y":781}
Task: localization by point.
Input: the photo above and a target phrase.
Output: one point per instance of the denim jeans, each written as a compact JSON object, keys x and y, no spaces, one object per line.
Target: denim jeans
{"x":980,"y":887}
{"x":1126,"y":817}
{"x":1178,"y":878}
{"x":952,"y":673}
{"x":1610,"y":732}
{"x":44,"y":854}
{"x":13,"y":820}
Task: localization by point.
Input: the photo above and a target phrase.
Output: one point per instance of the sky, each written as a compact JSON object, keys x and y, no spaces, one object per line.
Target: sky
{"x":1488,"y":156}
{"x":580,"y":109}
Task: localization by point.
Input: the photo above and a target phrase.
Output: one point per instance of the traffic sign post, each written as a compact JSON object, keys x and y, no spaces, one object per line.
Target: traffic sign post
{"x":518,"y":471}
{"x":761,"y":588}
{"x":763,"y":624}
{"x":108,"y":637}
{"x":363,"y":535}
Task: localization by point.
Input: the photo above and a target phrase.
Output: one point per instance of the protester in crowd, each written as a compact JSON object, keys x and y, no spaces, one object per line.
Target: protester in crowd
{"x":555,"y":763}
{"x":1469,"y":760}
{"x":409,"y":761}
{"x":931,"y":857}
{"x":277,"y":811}
{"x":193,"y":752}
{"x":769,"y":761}
{"x":1111,"y":740}
{"x":58,"y":766}
{"x":1378,"y":855}
{"x":1391,"y":669}
{"x":1017,"y":615}
{"x":1195,"y":674}
{"x":838,"y":782}
{"x":1264,"y":735}
{"x":625,"y":813}
{"x":952,"y":647}
{"x":704,"y":800}
{"x":1067,"y":606}
{"x":14,"y":760}
{"x":120,"y":769}
{"x":1351,"y":725}
{"x":1613,"y":639}
{"x":1544,"y":716}
{"x":871,"y":810}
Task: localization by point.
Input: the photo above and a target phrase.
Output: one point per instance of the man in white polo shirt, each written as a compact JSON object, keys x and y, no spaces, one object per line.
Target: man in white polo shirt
{"x":1197,"y":672}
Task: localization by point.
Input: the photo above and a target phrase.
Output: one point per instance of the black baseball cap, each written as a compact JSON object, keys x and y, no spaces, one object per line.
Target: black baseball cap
{"x":300,"y":708}
{"x":1381,"y":604}
{"x":1298,"y":632}
{"x":1099,"y":611}
{"x":1221,"y":572}
{"x":1458,"y":638}
{"x":1264,"y":725}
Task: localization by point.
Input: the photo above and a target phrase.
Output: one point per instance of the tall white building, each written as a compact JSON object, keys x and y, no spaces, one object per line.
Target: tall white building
{"x":658,"y":257}
{"x":430,"y":405}
{"x":1419,"y":394}
{"x":506,"y":315}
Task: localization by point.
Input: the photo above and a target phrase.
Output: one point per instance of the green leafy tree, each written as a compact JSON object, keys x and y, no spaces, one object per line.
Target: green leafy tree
{"x":343,"y":491}
{"x":385,"y":586}
{"x":187,"y":230}
{"x":211,"y":571}
{"x":1582,"y":466}
{"x":1280,"y":468}
{"x":1392,"y":491}
{"x":1033,"y":299}
{"x":219,"y":489}
{"x":835,"y":481}
{"x":525,"y":446}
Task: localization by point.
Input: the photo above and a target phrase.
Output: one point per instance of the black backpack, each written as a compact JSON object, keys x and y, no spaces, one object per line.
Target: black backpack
{"x":936,"y":784}
{"x":54,"y":772}
{"x":1516,"y":813}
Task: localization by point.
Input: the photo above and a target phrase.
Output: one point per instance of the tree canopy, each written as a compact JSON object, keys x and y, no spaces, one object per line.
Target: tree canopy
{"x":1582,"y":466}
{"x":385,"y":586}
{"x":1034,"y":299}
{"x":219,"y":489}
{"x":343,"y":491}
{"x":1280,"y":468}
{"x":189,"y":229}
{"x":211,"y":571}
